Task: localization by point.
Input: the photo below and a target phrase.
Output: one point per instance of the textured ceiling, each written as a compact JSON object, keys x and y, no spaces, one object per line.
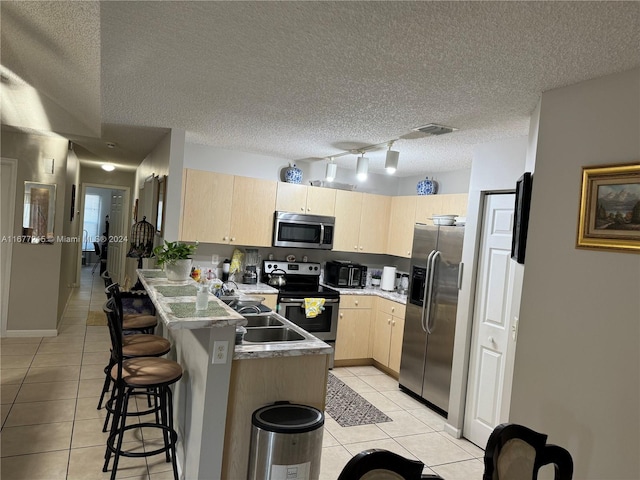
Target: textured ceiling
{"x":306,"y":80}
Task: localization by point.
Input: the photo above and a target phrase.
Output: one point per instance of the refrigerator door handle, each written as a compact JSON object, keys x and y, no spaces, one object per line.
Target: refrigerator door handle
{"x":460,"y":268}
{"x":427,"y":293}
{"x":432,"y":275}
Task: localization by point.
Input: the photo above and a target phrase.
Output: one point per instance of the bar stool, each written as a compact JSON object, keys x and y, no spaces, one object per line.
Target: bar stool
{"x":131,"y":323}
{"x":138,"y":345}
{"x":131,"y":376}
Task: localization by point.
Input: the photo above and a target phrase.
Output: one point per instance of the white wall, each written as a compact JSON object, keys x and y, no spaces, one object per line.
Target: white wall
{"x":496,"y":167}
{"x":577,"y":367}
{"x":203,"y":157}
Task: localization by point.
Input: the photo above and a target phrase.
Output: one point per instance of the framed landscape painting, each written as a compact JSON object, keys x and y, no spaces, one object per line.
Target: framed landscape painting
{"x":610,"y":208}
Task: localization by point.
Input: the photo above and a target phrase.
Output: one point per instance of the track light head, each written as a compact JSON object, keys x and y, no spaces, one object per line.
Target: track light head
{"x":362,"y":168}
{"x":332,"y":169}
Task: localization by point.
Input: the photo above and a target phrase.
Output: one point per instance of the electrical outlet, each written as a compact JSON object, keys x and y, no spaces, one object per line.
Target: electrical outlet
{"x":220,"y":351}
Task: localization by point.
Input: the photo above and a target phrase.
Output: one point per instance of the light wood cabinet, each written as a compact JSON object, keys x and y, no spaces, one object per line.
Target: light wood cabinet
{"x":401,"y":223}
{"x":362,"y":222}
{"x":220,"y":208}
{"x":254,"y":201}
{"x":429,"y":205}
{"x":348,"y":214}
{"x":206,"y":214}
{"x":387,"y":334}
{"x":354,"y":327}
{"x":305,"y":199}
{"x":270,"y":300}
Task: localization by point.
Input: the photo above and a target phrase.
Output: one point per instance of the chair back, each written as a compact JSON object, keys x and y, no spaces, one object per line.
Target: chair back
{"x":107,"y":278}
{"x":113,"y":291}
{"x":115,"y":332}
{"x":515,"y":452}
{"x":379,"y":464}
{"x":96,"y":247}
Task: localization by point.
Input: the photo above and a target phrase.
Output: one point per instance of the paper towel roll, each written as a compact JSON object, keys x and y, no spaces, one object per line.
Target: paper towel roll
{"x":388,"y":282}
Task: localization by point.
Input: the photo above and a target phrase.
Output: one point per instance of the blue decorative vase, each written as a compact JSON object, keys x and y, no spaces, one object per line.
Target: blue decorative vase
{"x":427,"y":187}
{"x":293,"y":174}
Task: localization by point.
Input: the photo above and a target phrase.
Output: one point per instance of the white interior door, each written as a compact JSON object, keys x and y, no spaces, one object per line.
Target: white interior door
{"x":489,"y":366}
{"x":8,"y":179}
{"x":117,"y":251}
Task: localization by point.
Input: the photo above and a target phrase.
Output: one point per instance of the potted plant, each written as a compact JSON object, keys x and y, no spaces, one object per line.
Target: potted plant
{"x":175,"y":257}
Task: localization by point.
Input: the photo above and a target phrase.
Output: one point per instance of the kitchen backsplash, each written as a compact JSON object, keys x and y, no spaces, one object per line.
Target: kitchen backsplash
{"x":205,"y":252}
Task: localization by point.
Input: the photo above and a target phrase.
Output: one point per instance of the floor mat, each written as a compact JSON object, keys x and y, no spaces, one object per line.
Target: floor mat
{"x":348,"y":408}
{"x":96,"y":318}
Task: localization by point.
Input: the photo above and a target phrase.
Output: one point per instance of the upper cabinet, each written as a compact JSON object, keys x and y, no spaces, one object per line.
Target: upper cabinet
{"x":401,"y":223}
{"x":206,"y":207}
{"x":254,"y":203}
{"x":362,"y":220}
{"x":219,"y":208}
{"x":305,"y":199}
{"x":429,"y":205}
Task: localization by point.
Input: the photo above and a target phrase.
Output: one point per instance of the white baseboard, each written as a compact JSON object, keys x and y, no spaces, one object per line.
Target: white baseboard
{"x":31,"y":333}
{"x":453,"y":431}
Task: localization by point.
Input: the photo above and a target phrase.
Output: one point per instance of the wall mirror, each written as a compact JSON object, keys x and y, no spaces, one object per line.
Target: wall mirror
{"x":39,"y":212}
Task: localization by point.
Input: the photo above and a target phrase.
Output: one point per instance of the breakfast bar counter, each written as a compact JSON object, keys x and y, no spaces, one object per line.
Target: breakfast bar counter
{"x":224,"y":383}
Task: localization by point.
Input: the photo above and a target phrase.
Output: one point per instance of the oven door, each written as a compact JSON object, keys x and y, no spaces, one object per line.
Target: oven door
{"x":324,"y":325}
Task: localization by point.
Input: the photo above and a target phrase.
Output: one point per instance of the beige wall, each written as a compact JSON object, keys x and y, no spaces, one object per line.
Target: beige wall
{"x":70,"y":229}
{"x":577,"y":367}
{"x":35,"y":269}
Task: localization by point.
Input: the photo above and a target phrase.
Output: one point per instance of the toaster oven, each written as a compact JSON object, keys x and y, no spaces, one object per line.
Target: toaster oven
{"x":345,"y":274}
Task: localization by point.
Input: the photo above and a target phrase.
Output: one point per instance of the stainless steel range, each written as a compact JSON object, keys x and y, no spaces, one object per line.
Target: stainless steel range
{"x":302,"y":280}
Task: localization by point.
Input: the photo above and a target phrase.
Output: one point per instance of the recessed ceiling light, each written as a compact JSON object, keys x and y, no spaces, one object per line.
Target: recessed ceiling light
{"x":109,"y":167}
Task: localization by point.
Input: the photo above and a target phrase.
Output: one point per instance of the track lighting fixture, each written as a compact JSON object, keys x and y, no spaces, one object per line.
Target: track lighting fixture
{"x":391,"y":163}
{"x":362,"y":168}
{"x":332,"y":169}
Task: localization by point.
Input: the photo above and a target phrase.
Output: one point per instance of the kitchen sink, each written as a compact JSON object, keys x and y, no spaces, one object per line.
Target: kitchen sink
{"x":263,"y":321}
{"x":272,"y":334}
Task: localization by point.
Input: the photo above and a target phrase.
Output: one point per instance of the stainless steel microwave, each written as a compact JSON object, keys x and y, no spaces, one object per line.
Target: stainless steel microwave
{"x":303,"y":231}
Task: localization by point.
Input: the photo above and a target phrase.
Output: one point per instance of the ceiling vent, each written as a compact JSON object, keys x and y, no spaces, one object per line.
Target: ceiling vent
{"x":434,"y":129}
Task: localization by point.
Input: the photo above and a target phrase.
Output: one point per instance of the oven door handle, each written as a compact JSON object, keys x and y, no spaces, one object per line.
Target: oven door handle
{"x":297,"y":301}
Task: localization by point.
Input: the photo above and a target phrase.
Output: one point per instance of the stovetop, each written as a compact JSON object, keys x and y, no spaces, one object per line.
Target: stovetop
{"x":302,"y":279}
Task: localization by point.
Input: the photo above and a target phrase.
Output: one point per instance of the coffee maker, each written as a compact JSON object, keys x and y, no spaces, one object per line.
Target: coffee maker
{"x":251,"y":260}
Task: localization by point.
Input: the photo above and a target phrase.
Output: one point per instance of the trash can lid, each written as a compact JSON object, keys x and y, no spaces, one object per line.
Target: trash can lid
{"x":288,"y":418}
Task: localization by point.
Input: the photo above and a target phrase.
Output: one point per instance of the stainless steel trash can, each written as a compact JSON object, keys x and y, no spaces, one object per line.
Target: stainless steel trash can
{"x":286,"y":442}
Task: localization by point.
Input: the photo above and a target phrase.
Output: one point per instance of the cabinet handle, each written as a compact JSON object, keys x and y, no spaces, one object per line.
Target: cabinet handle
{"x":302,"y":209}
{"x":355,"y":247}
{"x":233,"y":239}
{"x":225,"y":238}
{"x":356,"y":302}
{"x":388,"y":321}
{"x":341,"y":315}
{"x":393,"y":309}
{"x":360,"y":247}
{"x":393,"y":324}
{"x":308,"y":209}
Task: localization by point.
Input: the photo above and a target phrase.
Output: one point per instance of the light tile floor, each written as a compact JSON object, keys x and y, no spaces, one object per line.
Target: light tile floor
{"x":51,"y":429}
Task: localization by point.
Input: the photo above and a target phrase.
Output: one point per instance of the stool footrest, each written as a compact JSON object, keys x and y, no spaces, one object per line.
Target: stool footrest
{"x":173,"y":440}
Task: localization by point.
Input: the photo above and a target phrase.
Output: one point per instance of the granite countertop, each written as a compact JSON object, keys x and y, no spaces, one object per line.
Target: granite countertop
{"x":174,"y":318}
{"x":393,"y":296}
{"x":155,"y":283}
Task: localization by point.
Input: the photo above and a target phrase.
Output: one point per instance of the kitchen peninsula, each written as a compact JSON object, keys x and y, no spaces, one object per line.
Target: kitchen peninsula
{"x":215,"y":398}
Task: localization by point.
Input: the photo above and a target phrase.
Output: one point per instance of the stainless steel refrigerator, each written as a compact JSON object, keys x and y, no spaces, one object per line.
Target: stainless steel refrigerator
{"x":430,"y":319}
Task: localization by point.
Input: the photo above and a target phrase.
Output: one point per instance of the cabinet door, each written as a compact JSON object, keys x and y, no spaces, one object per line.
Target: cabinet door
{"x":455,"y":203}
{"x":395,"y":346}
{"x":426,"y":207}
{"x":206,"y":212}
{"x":352,"y":339}
{"x":381,"y":337}
{"x":270,"y":300}
{"x":348,"y":213}
{"x":291,"y":198}
{"x":374,"y":223}
{"x":321,"y":201}
{"x":401,"y":223}
{"x":254,"y":202}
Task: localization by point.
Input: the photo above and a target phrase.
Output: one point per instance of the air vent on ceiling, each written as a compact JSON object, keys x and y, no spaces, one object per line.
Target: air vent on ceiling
{"x":434,"y":129}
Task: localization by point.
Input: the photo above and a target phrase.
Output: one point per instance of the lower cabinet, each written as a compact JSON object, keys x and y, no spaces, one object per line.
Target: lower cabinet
{"x":354,"y":327}
{"x":388,"y":330}
{"x":270,"y":300}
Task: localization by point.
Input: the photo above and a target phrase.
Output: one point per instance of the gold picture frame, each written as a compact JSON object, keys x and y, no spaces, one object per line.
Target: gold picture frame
{"x":610,"y":208}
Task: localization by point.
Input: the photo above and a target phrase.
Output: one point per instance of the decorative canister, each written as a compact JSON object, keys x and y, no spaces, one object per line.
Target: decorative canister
{"x":293,"y":174}
{"x":427,"y":187}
